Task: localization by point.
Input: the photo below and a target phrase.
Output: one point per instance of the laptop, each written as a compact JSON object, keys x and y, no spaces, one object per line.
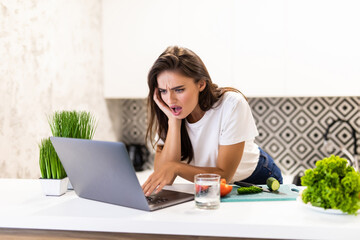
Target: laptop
{"x":103,"y":171}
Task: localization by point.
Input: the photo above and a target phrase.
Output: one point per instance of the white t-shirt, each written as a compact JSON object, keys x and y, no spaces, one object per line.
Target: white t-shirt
{"x":228,"y":122}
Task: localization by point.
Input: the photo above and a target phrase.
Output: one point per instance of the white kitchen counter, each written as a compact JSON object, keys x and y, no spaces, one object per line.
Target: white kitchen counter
{"x":23,"y":206}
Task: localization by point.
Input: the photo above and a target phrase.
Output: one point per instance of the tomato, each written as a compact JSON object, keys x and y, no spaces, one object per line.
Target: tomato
{"x":225,"y":189}
{"x":201,"y":188}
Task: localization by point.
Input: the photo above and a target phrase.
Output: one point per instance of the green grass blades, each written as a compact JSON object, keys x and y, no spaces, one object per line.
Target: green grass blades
{"x":333,"y":184}
{"x":50,"y":165}
{"x":72,"y":124}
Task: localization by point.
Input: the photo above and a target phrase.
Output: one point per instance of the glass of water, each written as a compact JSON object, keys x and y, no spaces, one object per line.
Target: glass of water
{"x":207,"y":190}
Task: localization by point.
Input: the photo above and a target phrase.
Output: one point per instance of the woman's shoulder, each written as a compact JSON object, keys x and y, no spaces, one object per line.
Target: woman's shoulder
{"x":233,"y":97}
{"x":230,"y":100}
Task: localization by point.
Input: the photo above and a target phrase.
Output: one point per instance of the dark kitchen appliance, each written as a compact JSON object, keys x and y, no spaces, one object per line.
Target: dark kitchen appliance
{"x":139,"y":154}
{"x":297,"y":178}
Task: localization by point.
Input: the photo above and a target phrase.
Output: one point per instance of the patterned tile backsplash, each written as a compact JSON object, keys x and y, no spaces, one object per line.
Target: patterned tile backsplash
{"x":134,"y":120}
{"x":291,"y":129}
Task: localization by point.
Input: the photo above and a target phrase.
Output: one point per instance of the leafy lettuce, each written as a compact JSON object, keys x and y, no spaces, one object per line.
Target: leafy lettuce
{"x":332,"y":184}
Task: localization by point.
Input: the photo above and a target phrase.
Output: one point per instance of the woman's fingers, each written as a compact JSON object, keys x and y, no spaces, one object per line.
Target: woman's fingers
{"x":156,"y":186}
{"x":161,"y":104}
{"x":156,"y":182}
{"x":158,"y":179}
{"x":147,"y":184}
{"x":146,"y":190}
{"x":151,"y":189}
{"x":150,"y":184}
{"x":157,"y":99}
{"x":148,"y":180}
{"x":160,"y":187}
{"x":156,"y":95}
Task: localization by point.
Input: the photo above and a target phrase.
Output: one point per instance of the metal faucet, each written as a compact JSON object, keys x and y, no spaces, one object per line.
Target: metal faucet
{"x":329,"y":147}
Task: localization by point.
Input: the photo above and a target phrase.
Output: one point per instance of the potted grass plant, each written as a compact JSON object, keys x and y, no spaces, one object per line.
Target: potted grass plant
{"x":70,"y":124}
{"x":53,"y":179}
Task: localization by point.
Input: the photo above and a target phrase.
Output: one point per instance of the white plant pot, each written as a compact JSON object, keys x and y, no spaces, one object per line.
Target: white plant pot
{"x":54,"y":187}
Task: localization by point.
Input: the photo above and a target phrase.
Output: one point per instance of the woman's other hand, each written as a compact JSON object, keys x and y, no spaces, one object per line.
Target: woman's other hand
{"x":159,"y":178}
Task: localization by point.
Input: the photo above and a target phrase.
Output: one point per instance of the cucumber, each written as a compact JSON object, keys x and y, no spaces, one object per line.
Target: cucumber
{"x":249,"y":190}
{"x":273,"y":184}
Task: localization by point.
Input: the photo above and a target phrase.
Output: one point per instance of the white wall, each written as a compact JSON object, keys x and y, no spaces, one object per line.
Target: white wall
{"x":51,"y":56}
{"x":264,"y":48}
{"x":51,"y":59}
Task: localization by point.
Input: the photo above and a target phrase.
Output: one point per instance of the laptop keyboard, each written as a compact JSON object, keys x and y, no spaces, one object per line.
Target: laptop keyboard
{"x":156,"y":200}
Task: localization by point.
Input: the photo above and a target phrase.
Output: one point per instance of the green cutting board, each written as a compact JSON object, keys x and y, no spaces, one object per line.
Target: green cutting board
{"x":287,"y":192}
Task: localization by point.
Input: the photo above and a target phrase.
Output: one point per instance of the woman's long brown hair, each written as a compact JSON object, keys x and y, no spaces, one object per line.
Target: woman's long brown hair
{"x":187,"y":63}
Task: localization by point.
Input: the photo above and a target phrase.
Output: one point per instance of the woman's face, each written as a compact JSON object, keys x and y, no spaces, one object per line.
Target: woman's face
{"x":181,"y":95}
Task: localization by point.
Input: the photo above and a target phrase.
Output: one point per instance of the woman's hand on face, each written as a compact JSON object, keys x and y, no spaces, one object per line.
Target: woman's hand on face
{"x":158,"y":179}
{"x":160,"y":103}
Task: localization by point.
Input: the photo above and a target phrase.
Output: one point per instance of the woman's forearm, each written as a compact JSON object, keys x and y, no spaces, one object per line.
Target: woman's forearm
{"x":171,"y":150}
{"x":229,"y":158}
{"x":188,"y":172}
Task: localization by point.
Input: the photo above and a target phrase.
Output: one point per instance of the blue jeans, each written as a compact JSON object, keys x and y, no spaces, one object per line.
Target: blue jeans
{"x":265,"y":168}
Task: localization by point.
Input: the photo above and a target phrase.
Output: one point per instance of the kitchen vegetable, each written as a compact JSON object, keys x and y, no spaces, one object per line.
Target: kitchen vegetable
{"x":225,"y":189}
{"x":273,"y":183}
{"x":201,"y":188}
{"x":332,"y":184}
{"x":249,"y":190}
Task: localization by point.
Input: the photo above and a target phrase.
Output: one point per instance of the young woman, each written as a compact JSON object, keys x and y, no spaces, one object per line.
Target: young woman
{"x":199,"y":127}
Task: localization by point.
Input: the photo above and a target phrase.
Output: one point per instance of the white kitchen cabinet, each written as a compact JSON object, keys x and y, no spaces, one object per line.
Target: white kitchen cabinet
{"x":263,"y":48}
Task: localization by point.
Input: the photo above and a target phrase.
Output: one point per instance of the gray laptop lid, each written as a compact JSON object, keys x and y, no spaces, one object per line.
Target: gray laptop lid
{"x":103,"y":171}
